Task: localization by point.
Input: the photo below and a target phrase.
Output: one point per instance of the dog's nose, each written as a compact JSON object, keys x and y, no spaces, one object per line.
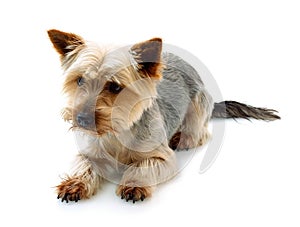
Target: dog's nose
{"x":85,"y":120}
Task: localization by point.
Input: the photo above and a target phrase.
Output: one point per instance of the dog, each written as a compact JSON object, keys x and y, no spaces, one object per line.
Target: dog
{"x":136,"y":105}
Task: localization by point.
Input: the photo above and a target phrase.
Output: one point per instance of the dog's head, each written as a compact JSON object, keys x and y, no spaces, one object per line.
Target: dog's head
{"x":107,"y":90}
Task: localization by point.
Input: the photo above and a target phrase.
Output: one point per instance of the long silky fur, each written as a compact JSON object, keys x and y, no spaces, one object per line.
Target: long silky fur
{"x":233,"y":109}
{"x":163,"y":101}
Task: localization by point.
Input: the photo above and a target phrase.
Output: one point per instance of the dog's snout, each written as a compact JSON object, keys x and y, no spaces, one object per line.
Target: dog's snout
{"x":85,"y":120}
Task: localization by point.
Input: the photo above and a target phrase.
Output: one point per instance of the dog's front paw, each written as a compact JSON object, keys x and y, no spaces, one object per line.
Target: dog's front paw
{"x":71,"y":189}
{"x":133,"y":193}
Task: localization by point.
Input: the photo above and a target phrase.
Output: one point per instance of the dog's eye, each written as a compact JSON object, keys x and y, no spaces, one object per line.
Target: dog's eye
{"x":80,"y":81}
{"x":114,"y":88}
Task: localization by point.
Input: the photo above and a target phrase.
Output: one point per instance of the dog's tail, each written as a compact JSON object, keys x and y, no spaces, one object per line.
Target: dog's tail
{"x":232,"y":109}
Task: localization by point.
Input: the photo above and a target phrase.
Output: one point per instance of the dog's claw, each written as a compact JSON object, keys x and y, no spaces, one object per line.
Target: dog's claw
{"x":68,"y":198}
{"x":77,"y":198}
{"x":135,"y":194}
{"x":65,"y":198}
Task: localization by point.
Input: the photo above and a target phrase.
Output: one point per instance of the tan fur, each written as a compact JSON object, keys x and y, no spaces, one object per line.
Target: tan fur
{"x":82,"y":183}
{"x":136,"y":73}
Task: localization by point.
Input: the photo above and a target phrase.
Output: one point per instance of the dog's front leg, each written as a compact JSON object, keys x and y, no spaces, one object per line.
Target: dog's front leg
{"x":82,"y":183}
{"x":140,"y":179}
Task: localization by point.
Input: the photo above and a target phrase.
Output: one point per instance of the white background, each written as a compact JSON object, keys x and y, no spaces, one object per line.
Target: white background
{"x":252,"y":49}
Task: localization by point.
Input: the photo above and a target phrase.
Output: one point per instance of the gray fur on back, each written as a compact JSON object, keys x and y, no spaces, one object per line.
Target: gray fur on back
{"x":180,"y":83}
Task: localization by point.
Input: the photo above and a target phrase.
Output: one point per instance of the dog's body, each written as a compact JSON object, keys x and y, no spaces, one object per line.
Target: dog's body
{"x":136,"y":104}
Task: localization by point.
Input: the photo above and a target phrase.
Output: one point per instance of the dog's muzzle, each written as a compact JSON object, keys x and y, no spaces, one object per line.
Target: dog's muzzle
{"x":85,"y":120}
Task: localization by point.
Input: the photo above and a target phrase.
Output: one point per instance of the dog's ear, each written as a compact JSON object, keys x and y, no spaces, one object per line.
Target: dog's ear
{"x":64,"y":42}
{"x":148,"y":56}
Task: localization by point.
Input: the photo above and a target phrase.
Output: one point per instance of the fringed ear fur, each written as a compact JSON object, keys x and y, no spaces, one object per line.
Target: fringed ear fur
{"x":146,"y":54}
{"x":64,"y":42}
{"x":148,"y":57}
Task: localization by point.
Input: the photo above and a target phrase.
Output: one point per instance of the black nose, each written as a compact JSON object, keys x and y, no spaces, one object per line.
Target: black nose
{"x":85,"y":120}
